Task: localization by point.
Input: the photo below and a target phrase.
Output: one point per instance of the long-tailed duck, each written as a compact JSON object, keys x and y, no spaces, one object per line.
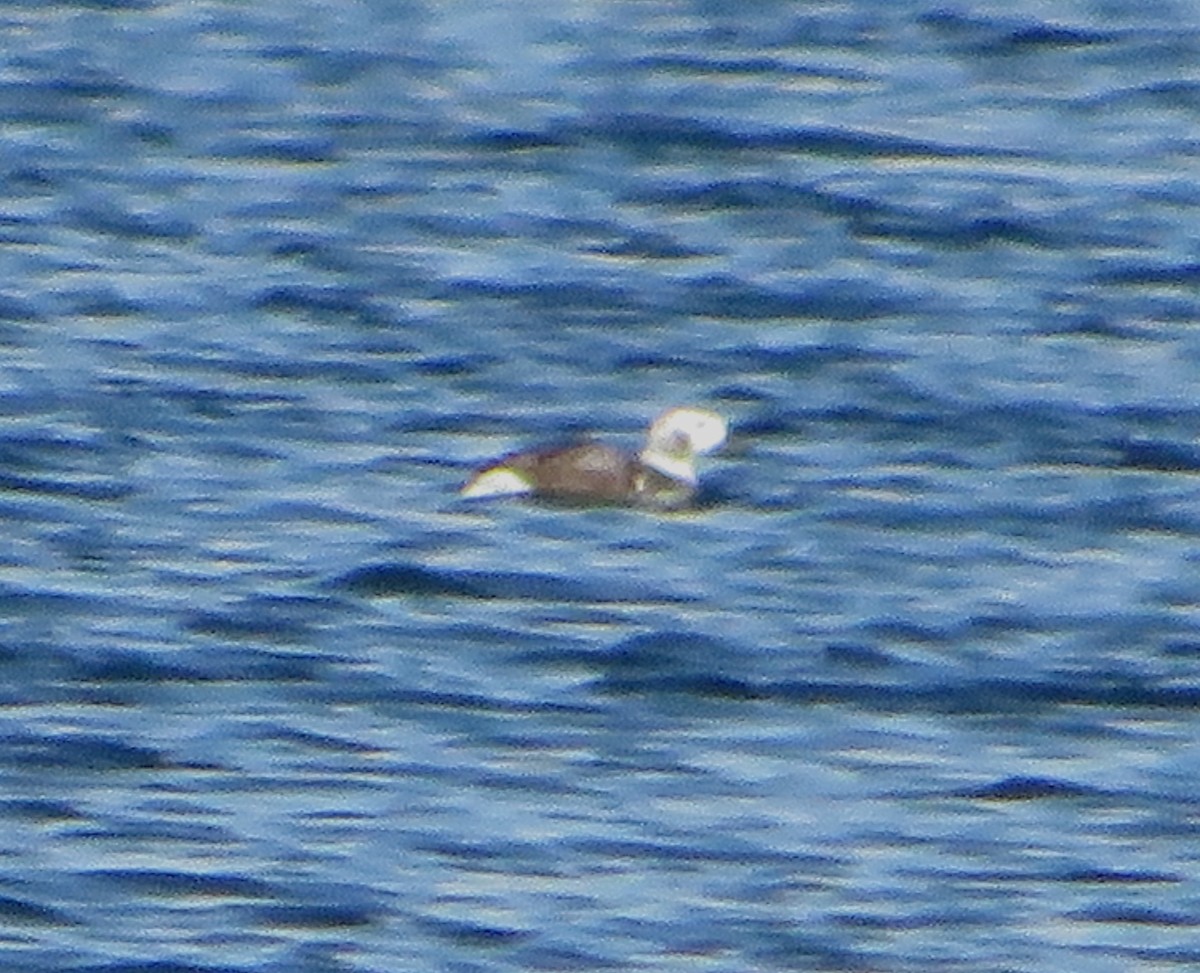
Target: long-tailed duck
{"x":663,"y":474}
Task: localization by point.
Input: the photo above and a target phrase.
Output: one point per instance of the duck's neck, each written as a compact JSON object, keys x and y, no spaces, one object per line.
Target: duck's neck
{"x":677,"y":465}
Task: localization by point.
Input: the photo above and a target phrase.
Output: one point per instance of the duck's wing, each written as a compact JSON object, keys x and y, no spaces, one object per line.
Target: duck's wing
{"x":587,"y":471}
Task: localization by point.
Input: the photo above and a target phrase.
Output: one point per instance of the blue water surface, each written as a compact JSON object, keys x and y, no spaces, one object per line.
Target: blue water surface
{"x":915,"y":686}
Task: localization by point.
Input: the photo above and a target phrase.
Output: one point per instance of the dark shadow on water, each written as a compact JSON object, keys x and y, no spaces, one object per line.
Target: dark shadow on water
{"x":398,"y":579}
{"x":1028,"y":789}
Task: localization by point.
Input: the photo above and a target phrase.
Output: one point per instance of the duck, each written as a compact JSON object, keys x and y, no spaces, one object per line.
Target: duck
{"x":662,"y":474}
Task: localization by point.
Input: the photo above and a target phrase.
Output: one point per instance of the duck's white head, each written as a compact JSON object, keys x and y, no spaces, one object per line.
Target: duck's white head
{"x":679,"y":435}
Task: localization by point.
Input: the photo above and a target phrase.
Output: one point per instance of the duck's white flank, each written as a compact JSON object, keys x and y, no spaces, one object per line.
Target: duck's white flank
{"x":497,"y":482}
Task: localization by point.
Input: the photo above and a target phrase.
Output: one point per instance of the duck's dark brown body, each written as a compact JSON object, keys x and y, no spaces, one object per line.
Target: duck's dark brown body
{"x":590,"y":472}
